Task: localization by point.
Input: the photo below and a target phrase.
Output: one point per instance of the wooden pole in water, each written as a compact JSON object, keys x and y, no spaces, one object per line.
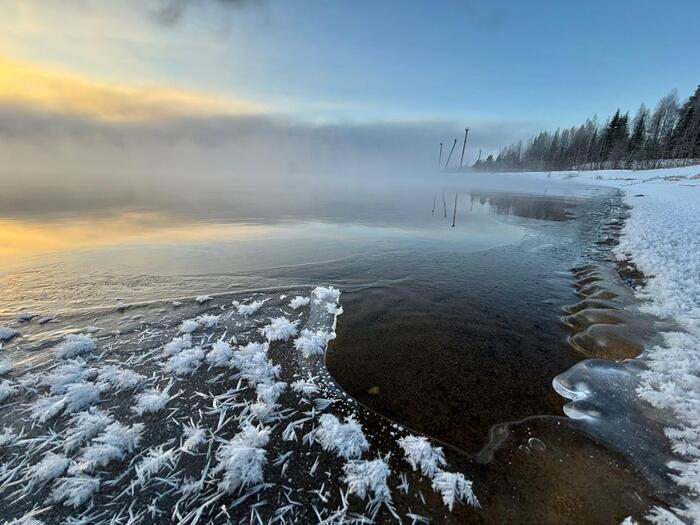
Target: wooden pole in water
{"x":450,"y":155}
{"x":454,"y":213}
{"x":444,"y":204}
{"x":464,"y":145}
{"x":477,"y":160}
{"x":434,"y":199}
{"x":440,"y":157}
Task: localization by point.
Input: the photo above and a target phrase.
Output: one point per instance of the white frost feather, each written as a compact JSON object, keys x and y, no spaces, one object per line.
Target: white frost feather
{"x":188,"y":326}
{"x":312,"y":343}
{"x":7,"y":389}
{"x":178,"y":344}
{"x":113,"y":444}
{"x":220,"y":354}
{"x":74,"y":345}
{"x":367,"y":476}
{"x":76,"y":490}
{"x":5,"y":366}
{"x":299,"y":301}
{"x":345,"y":439}
{"x":151,"y":401}
{"x":249,"y":309}
{"x":186,"y":362}
{"x":50,"y":467}
{"x":208,"y":320}
{"x":421,"y":455}
{"x":243,"y":459}
{"x":454,"y":488}
{"x":280,"y":329}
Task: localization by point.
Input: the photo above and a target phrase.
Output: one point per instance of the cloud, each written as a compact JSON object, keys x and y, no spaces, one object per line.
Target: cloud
{"x":55,"y":90}
{"x":169,"y":12}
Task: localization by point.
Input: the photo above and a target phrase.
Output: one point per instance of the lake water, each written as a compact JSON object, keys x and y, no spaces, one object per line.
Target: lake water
{"x":434,"y":314}
{"x":452,"y":289}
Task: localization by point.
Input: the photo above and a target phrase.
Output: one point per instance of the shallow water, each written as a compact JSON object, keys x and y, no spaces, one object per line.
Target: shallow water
{"x":449,"y":330}
{"x":434,"y":313}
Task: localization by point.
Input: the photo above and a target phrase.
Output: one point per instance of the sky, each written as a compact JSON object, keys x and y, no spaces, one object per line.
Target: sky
{"x":346,"y":78}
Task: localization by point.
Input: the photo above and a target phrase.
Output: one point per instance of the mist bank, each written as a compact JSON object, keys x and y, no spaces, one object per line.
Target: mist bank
{"x":182,"y":155}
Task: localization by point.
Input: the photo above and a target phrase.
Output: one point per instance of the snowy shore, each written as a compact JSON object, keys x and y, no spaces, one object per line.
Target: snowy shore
{"x":662,"y":238}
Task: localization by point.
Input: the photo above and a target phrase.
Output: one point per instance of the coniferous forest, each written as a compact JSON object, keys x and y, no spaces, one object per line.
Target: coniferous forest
{"x":667,"y":136}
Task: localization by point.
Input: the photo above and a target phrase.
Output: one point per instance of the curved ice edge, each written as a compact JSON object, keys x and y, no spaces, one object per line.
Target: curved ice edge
{"x":603,"y":399}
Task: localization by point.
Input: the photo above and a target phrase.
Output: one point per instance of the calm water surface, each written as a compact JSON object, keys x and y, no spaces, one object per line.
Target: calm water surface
{"x":447,"y":329}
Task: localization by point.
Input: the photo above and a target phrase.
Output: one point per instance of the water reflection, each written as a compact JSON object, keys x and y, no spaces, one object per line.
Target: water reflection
{"x":544,"y":207}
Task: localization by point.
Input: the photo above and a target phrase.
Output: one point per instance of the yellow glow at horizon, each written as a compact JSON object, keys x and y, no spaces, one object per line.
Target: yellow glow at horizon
{"x":20,"y":239}
{"x":53,"y":89}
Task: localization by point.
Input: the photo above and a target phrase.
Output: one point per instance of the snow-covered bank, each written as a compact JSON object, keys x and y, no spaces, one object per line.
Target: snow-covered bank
{"x":662,"y":238}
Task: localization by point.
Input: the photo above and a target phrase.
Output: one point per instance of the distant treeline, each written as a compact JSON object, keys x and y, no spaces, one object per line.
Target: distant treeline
{"x":667,"y":136}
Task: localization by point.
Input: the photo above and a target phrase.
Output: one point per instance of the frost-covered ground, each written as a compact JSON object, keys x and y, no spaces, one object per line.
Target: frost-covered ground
{"x":662,"y":238}
{"x":207,"y":410}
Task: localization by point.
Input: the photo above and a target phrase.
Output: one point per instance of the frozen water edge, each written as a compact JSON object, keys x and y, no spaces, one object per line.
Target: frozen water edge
{"x":658,"y":393}
{"x":137,"y":422}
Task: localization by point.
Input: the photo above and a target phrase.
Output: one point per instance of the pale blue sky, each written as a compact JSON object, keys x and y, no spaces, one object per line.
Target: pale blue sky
{"x":549,"y":62}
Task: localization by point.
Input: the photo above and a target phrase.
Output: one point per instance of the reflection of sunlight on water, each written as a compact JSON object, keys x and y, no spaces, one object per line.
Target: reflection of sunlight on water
{"x":24,"y":238}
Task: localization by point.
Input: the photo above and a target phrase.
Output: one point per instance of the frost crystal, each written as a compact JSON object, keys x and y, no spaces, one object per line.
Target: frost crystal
{"x":112,"y":377}
{"x":59,"y":378}
{"x":299,"y":301}
{"x":249,"y":309}
{"x":306,"y":388}
{"x":454,"y":489}
{"x":312,"y":343}
{"x":243,"y":459}
{"x":178,"y":344}
{"x":188,"y":326}
{"x":186,"y":362}
{"x":208,"y":320}
{"x":156,"y":460}
{"x":75,"y":491}
{"x":7,"y":389}
{"x":364,"y":476}
{"x":151,"y":401}
{"x":220,"y":354}
{"x":112,"y":445}
{"x":5,"y":366}
{"x":253,"y":364}
{"x":74,"y":345}
{"x":50,"y":467}
{"x":270,"y":393}
{"x":80,"y":396}
{"x":84,"y":426}
{"x":195,"y":437}
{"x":322,"y":294}
{"x":280,"y":329}
{"x":420,"y":454}
{"x":345,"y":439}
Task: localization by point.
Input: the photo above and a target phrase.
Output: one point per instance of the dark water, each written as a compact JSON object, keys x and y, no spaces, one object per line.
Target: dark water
{"x":448,"y":330}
